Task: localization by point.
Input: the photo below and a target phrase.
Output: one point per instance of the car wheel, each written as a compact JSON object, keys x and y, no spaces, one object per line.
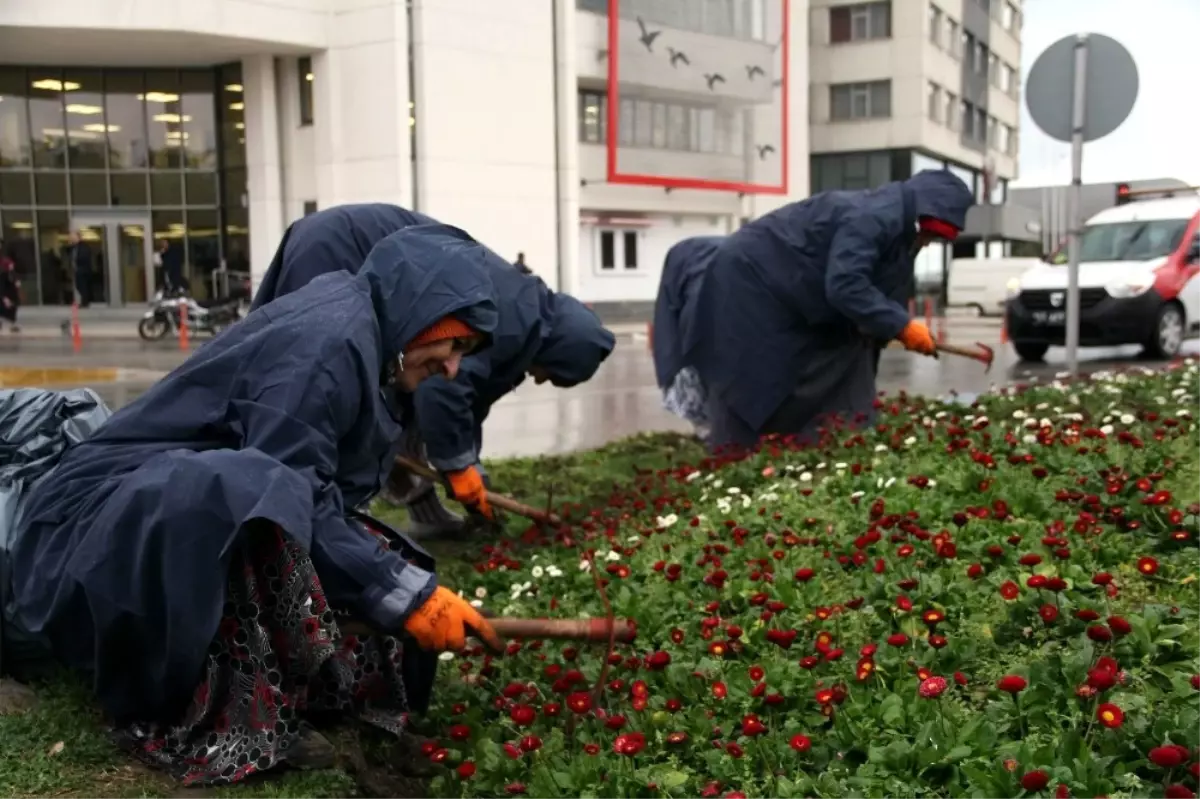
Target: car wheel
{"x":1167,"y":337}
{"x":1031,"y":350}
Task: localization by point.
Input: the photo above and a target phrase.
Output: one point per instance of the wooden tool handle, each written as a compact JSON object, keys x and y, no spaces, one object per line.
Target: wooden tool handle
{"x":966,"y":352}
{"x":587,"y":630}
{"x":590,"y":630}
{"x":499,"y":500}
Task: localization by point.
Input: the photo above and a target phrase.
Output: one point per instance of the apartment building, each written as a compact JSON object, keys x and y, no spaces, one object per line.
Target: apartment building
{"x":898,"y":86}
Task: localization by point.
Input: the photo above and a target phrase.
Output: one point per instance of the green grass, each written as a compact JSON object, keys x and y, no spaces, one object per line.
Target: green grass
{"x":32,"y":763}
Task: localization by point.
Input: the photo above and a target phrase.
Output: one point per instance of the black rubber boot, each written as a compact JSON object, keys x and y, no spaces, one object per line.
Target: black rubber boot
{"x":312,"y":750}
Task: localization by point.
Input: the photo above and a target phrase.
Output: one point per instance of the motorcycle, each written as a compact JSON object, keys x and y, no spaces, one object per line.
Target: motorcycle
{"x":206,"y":316}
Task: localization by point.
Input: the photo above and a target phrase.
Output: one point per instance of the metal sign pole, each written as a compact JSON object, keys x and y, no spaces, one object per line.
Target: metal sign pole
{"x":1078,"y":120}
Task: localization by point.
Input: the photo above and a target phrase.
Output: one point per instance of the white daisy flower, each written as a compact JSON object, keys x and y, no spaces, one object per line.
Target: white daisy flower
{"x":481,"y":593}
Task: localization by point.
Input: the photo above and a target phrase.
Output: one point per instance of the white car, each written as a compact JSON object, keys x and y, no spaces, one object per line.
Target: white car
{"x":1139,"y":283}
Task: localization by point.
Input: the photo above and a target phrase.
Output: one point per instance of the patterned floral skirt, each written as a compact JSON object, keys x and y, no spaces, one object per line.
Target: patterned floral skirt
{"x":277,"y":657}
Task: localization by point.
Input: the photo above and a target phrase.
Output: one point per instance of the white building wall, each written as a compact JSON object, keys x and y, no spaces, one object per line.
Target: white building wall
{"x":485,"y":107}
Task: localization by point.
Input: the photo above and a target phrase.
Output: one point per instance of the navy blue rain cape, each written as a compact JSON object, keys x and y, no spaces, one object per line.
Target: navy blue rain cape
{"x":537,"y":328}
{"x":682,"y":274}
{"x":122,"y":554}
{"x":791,"y":298}
{"x":338,"y":238}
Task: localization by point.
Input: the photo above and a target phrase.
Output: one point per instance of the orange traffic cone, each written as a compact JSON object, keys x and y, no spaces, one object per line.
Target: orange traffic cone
{"x":183,"y":327}
{"x":76,"y":333}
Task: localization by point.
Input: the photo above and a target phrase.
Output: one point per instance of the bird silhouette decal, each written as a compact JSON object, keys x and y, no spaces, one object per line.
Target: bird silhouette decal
{"x":713,"y":80}
{"x":647,"y":37}
{"x":764,"y":150}
{"x":678,"y":56}
{"x":601,"y":54}
{"x":777,"y":82}
{"x":753,"y":70}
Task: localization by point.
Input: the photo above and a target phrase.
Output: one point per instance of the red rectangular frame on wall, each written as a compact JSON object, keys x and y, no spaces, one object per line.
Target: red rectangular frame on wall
{"x":613,"y":121}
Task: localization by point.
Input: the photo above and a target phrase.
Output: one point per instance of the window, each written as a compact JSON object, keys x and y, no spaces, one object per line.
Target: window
{"x":993,"y":135}
{"x":593,"y":117}
{"x":1008,"y":16}
{"x":935,"y":25}
{"x":1005,"y":81}
{"x":663,"y":125}
{"x":618,"y":246}
{"x":952,"y":113}
{"x":631,"y":249}
{"x":953,"y":38}
{"x":1016,"y":82}
{"x":934,"y":102}
{"x":981,"y":125}
{"x":1131,"y":241}
{"x":994,"y":69}
{"x":860,"y":100}
{"x":851,"y":171}
{"x":304,"y":72}
{"x":1002,"y":137}
{"x":608,"y":249}
{"x":859,"y":23}
{"x":981,"y":58}
{"x":968,"y":119}
{"x":968,"y":49}
{"x":1012,"y":140}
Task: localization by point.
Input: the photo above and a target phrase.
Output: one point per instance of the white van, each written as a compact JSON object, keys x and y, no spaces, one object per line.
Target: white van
{"x":984,"y":283}
{"x":1139,"y":283}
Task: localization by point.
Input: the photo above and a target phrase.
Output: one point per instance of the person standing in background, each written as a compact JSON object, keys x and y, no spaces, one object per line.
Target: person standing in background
{"x":172,"y":267}
{"x":78,"y":258}
{"x":521,"y":266}
{"x":10,"y":290}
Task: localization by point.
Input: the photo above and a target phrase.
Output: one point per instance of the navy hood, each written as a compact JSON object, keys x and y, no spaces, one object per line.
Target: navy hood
{"x":576,"y":343}
{"x":337,"y":238}
{"x":940,"y":194}
{"x":421,"y":274}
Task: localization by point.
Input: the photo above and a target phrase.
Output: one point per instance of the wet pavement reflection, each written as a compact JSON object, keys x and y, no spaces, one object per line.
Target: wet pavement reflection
{"x":621,"y":400}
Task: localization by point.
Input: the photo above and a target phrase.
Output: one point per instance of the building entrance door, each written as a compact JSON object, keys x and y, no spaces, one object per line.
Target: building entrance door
{"x":122,"y":256}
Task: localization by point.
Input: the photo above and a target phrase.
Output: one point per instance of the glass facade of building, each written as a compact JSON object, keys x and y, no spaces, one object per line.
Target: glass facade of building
{"x":146,"y":165}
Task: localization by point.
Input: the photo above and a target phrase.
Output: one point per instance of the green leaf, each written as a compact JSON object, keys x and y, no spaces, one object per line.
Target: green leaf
{"x":673,"y":779}
{"x":958,"y":753}
{"x":891,"y":710}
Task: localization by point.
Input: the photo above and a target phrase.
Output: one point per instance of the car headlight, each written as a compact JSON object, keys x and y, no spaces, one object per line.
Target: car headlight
{"x":1132,"y":286}
{"x":1012,"y":288}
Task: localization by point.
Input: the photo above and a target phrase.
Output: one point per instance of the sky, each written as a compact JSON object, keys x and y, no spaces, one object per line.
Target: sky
{"x":1161,"y":137}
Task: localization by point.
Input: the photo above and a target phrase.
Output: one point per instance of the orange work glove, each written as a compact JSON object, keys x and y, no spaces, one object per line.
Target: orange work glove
{"x":441,"y":623}
{"x":916,"y":337}
{"x":467,"y":485}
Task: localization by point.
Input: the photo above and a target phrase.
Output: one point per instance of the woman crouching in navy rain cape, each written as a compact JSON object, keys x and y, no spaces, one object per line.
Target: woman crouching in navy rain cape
{"x":191,"y":555}
{"x":549,"y":336}
{"x":794,"y":306}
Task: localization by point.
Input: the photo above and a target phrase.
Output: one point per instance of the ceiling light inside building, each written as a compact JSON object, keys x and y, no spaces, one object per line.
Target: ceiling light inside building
{"x":85,"y":110}
{"x":97,"y":127}
{"x":172,"y":118}
{"x":176,"y":134}
{"x":308,"y":77}
{"x":240,"y":125}
{"x":233,"y":87}
{"x":159,"y":97}
{"x":237,"y":106}
{"x":54,"y":85}
{"x":20,"y":225}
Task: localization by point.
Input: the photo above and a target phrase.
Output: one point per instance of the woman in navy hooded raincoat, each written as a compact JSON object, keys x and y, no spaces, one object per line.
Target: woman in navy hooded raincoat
{"x":190,"y":555}
{"x":552,"y":337}
{"x":794,"y":304}
{"x":682,"y":275}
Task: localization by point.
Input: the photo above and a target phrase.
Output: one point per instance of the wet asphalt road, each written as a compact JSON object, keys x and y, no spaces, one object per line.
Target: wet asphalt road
{"x":622,"y":399}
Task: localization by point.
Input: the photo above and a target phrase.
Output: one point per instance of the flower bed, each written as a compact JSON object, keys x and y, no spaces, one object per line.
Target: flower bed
{"x":959,"y":601}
